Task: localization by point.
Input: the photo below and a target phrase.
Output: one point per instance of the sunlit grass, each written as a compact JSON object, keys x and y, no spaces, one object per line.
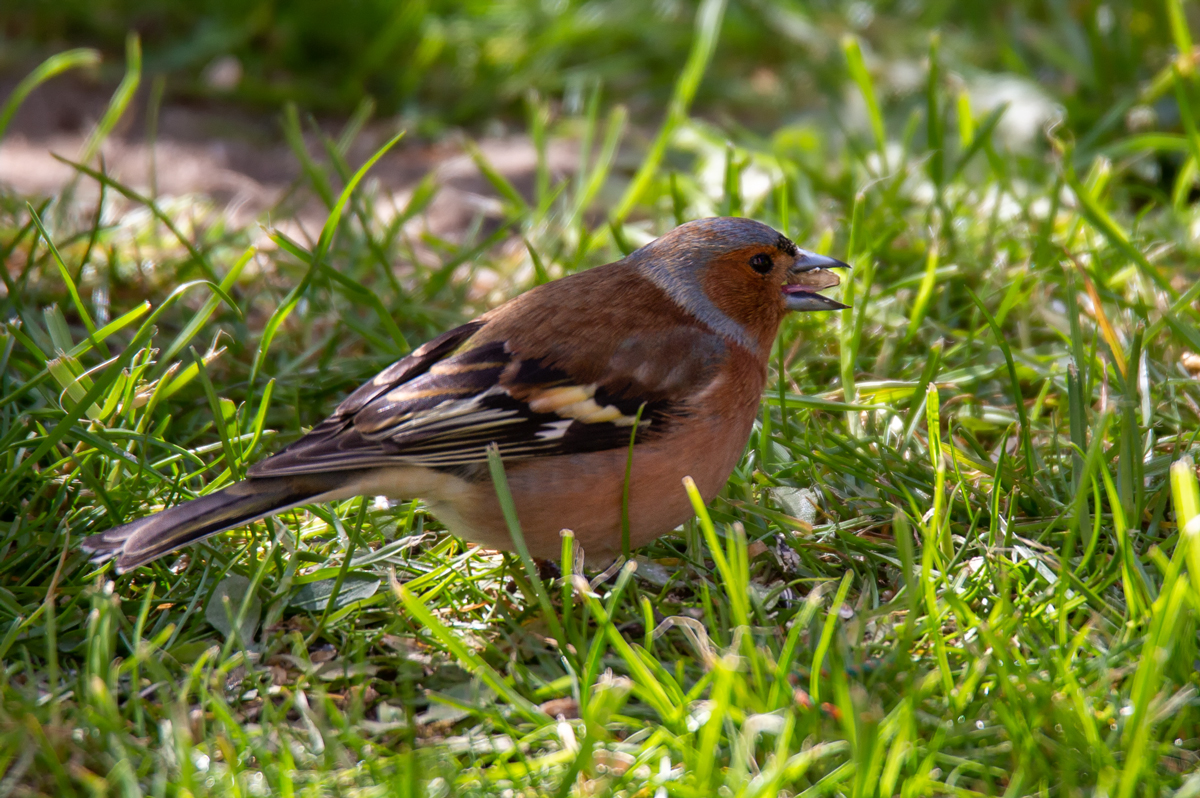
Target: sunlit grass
{"x":957,"y":557}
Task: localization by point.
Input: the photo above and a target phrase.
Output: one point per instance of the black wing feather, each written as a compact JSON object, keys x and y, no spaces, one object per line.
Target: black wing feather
{"x":442,"y":406}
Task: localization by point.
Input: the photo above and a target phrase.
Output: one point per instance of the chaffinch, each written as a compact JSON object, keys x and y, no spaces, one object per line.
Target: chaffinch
{"x":679,"y":330}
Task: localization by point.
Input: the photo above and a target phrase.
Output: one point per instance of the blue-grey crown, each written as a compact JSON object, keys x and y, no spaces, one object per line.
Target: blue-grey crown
{"x":676,"y":261}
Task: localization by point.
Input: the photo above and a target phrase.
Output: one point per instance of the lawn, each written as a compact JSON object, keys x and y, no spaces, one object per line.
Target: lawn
{"x":960,"y":554}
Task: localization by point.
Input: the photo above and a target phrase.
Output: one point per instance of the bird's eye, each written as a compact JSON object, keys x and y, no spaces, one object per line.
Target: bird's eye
{"x":762,"y":263}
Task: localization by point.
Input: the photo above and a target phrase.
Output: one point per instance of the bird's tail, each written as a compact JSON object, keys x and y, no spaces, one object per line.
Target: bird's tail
{"x":149,"y":538}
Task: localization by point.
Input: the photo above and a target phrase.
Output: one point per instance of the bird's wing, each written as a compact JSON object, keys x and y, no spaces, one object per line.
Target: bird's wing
{"x":443,"y":405}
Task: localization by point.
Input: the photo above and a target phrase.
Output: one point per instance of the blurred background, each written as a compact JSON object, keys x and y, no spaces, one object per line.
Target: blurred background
{"x":442,"y":64}
{"x":216,"y":78}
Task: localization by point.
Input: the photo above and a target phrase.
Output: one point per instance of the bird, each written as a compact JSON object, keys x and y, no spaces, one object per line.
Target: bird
{"x":600,"y":391}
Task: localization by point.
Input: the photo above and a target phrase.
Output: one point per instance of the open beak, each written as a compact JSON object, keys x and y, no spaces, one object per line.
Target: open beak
{"x":808,"y":275}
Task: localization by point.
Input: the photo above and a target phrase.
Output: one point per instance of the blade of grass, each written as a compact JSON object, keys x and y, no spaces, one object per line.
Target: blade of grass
{"x":201,"y":317}
{"x":80,"y":58}
{"x":504,"y":495}
{"x":197,"y":257}
{"x":469,"y":659}
{"x":704,"y":42}
{"x":857,"y":68}
{"x":99,"y":388}
{"x":323,"y":242}
{"x":831,"y":619}
{"x":65,"y":273}
{"x":120,"y":101}
{"x":1018,"y":399}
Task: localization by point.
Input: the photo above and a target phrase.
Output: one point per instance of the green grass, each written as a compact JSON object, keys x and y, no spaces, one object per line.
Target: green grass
{"x":996,"y":594}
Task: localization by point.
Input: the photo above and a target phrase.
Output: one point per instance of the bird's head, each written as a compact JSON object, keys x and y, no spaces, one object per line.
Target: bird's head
{"x":738,"y":276}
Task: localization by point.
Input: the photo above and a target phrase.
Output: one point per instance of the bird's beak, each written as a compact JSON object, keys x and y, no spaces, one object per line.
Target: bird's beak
{"x":808,"y":275}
